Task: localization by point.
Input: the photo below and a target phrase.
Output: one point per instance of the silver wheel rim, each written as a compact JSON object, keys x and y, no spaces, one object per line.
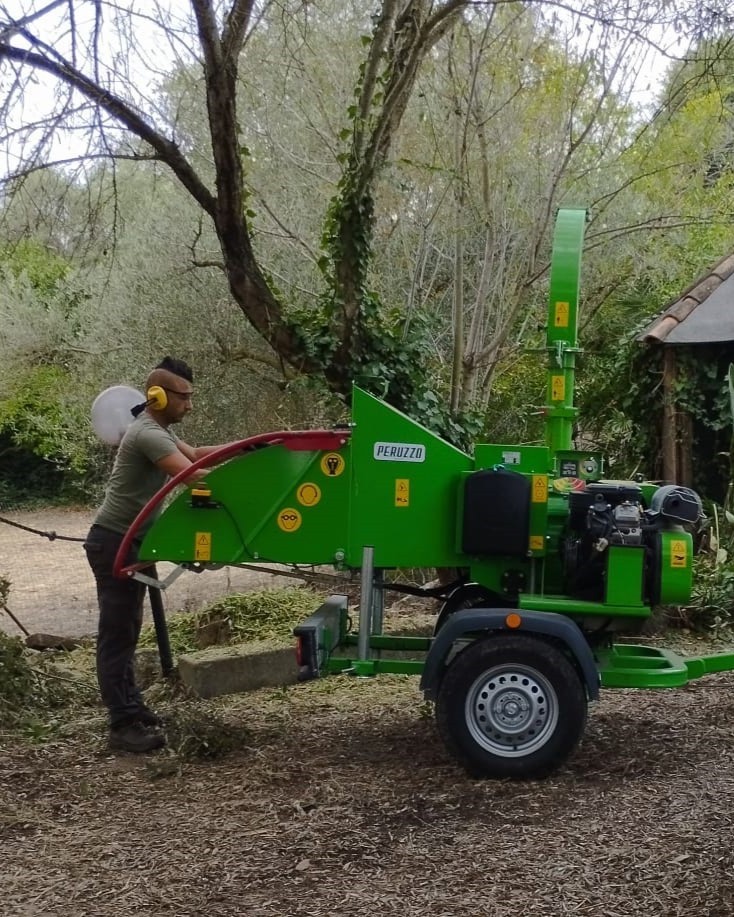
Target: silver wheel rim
{"x":511,"y":710}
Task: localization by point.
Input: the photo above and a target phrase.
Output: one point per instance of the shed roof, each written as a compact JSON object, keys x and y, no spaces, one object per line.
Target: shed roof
{"x":703,"y":314}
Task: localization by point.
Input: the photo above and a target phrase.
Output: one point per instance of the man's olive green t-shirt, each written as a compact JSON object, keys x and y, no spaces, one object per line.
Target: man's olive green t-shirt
{"x":135,"y":477}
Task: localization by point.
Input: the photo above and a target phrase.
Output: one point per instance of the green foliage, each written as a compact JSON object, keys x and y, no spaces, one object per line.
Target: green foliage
{"x":43,"y":453}
{"x":619,"y":399}
{"x":401,"y":369}
{"x":351,"y":333}
{"x":514,"y":412}
{"x":45,"y":447}
{"x":17,"y":683}
{"x":43,"y":269}
{"x":29,"y":690}
{"x":712,"y":601}
{"x":32,"y":414}
{"x":390,"y":229}
{"x":683,"y":162}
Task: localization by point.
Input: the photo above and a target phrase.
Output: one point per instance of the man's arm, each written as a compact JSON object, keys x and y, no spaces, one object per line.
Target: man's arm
{"x":178,"y":461}
{"x":193,"y":453}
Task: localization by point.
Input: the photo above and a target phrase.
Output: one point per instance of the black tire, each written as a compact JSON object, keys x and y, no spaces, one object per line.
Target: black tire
{"x":511,"y":706}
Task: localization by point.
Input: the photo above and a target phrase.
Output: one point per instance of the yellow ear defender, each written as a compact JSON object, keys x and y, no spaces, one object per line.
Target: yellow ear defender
{"x":157,"y":398}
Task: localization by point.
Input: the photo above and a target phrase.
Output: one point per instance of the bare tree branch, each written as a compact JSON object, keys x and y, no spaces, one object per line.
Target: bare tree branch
{"x":167,"y":150}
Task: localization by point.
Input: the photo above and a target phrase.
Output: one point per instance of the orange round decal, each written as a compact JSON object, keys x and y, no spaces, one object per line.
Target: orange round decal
{"x":289,"y":519}
{"x":308,"y":494}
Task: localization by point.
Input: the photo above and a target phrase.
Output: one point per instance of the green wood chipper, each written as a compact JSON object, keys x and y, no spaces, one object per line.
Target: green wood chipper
{"x":553,"y":562}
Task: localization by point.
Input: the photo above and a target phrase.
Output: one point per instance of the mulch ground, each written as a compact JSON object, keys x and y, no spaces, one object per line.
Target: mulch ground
{"x":341,"y":800}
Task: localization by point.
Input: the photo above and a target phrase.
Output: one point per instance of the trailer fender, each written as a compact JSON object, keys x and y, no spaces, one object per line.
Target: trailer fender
{"x":473,"y":621}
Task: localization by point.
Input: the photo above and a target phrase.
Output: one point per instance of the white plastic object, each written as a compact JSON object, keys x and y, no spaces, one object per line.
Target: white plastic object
{"x":111,"y":412}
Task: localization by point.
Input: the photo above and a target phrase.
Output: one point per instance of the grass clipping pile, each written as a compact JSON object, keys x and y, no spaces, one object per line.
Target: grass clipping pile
{"x":53,"y":694}
{"x":34,"y":695}
{"x":269,"y":615}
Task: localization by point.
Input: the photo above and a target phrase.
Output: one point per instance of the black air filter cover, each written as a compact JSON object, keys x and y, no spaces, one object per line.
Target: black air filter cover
{"x":496,"y":513}
{"x":678,"y":504}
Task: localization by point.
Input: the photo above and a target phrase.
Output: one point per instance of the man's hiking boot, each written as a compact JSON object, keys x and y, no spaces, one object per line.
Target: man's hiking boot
{"x":136,"y":738}
{"x":146,"y":717}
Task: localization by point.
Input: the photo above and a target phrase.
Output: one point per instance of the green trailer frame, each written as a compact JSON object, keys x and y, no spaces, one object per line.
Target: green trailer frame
{"x":323,"y":638}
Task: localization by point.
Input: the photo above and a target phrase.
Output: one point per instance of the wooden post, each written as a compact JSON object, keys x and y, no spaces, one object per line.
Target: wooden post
{"x":670,"y":431}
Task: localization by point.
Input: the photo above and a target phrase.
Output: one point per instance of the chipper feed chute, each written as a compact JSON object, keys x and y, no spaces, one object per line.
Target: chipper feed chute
{"x":318,"y":498}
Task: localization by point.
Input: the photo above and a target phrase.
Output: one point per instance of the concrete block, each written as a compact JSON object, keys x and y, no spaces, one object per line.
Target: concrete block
{"x":221,"y":670}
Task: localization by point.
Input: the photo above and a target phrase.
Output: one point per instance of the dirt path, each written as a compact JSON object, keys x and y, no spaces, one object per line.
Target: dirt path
{"x":52,"y":589}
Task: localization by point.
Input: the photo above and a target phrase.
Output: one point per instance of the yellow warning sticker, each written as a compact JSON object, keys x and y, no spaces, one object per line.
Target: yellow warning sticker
{"x":536,"y":542}
{"x":308,"y":494}
{"x":203,"y":546}
{"x":402,"y":492}
{"x":678,"y":553}
{"x":540,"y":488}
{"x":560,"y":316}
{"x":289,"y":519}
{"x":332,"y":464}
{"x":558,"y":388}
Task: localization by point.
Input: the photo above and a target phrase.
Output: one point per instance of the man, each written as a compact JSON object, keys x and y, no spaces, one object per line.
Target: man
{"x":148,"y":454}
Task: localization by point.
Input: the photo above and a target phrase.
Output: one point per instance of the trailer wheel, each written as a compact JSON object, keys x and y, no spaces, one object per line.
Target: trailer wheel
{"x":511,"y":706}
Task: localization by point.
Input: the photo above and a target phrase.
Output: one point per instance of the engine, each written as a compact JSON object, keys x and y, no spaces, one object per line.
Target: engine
{"x":608,"y":514}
